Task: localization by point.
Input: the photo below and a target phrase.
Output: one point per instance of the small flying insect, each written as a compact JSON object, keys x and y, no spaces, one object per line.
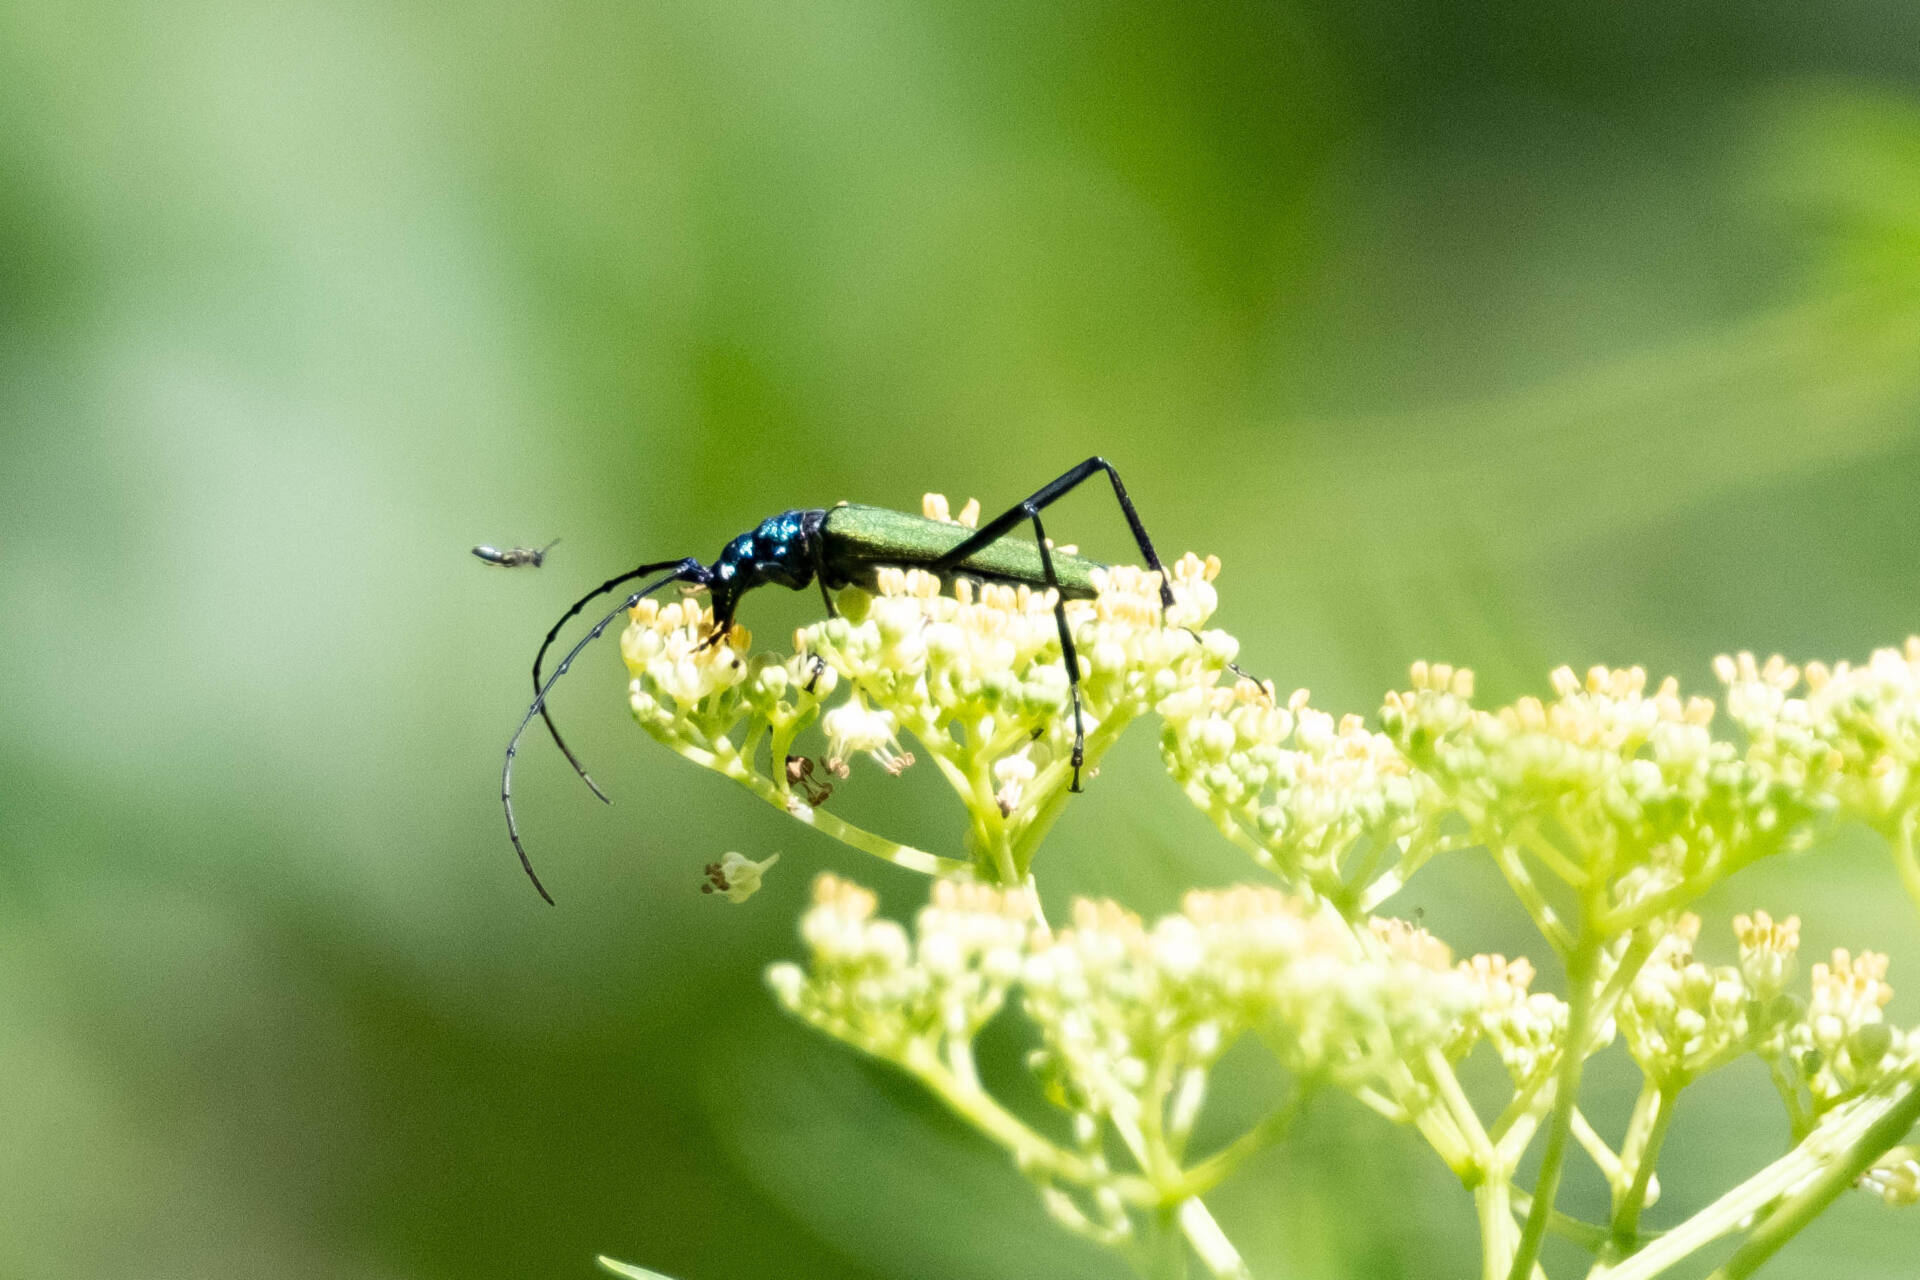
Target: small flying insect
{"x":844,"y":546}
{"x":515,"y":557}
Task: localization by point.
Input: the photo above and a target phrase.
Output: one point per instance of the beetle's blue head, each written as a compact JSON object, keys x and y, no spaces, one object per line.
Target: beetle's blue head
{"x":784,"y":551}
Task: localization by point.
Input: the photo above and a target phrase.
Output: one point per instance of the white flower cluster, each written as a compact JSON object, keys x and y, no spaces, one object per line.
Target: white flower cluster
{"x":692,"y":691}
{"x":1610,"y":784}
{"x":1297,"y":788}
{"x":1768,"y":948}
{"x":1895,"y":1176}
{"x":1608,"y":808}
{"x":1128,"y":1014}
{"x":892,"y":995}
{"x":677,"y":673}
{"x":1843,"y":1044}
{"x":1524,"y":1027}
{"x":1681,"y":1018}
{"x":1122,"y":1009}
{"x":1850,"y":732}
{"x":973,"y":678}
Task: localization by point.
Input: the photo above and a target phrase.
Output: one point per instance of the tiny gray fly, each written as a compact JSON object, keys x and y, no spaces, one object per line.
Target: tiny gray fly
{"x":515,"y":557}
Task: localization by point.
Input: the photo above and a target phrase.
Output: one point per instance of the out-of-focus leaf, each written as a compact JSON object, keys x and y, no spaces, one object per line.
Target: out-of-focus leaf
{"x":629,"y":1270}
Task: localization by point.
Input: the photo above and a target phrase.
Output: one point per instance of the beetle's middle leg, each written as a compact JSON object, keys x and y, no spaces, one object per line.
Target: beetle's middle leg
{"x":1029,"y":511}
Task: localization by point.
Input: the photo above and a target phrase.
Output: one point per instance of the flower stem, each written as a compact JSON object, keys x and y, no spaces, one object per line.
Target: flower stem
{"x":1588,"y":1235}
{"x":900,"y":855}
{"x":1031,"y":1152}
{"x":1904,"y":856}
{"x":1206,"y":1175}
{"x":1520,"y":881}
{"x":1642,"y":1151}
{"x":1580,"y":966}
{"x":1167,"y":1259}
{"x":1805,"y":1204}
{"x":1493,"y":1200}
{"x":1215,"y":1251}
{"x":1866,"y":1125}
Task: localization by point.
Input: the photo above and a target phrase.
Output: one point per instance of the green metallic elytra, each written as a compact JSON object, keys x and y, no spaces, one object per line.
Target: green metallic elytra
{"x":861,"y":540}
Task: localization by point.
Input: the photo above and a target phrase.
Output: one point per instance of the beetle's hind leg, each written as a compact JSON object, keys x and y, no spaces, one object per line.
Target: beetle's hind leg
{"x":1028,"y":510}
{"x":1045,"y":496}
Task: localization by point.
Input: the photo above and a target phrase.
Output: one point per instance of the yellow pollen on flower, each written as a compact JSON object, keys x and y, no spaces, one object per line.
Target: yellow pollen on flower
{"x":1761,"y":932}
{"x":1685,"y":932}
{"x":1190,"y":568}
{"x":1504,"y":980}
{"x":1776,"y":673}
{"x":1852,"y":982}
{"x":1411,"y":942}
{"x":1240,"y":903}
{"x":981,"y":899}
{"x":844,"y":897}
{"x":1441,"y":677}
{"x":1614,"y":682}
{"x":907,"y":583}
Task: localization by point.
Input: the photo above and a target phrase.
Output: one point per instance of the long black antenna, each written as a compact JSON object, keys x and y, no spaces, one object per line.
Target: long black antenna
{"x":554,"y":634}
{"x":688,"y":570}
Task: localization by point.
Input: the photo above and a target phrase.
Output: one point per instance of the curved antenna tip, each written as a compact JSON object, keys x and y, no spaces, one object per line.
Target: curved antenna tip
{"x":539,"y":707}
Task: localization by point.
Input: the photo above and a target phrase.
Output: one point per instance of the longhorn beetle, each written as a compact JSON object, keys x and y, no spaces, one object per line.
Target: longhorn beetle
{"x":846,"y":546}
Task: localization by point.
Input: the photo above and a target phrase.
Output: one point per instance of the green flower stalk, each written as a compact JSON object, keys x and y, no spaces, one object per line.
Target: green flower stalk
{"x":1610,"y":810}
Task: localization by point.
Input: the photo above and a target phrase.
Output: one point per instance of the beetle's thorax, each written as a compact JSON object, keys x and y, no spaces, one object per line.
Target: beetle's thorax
{"x":784,"y":550}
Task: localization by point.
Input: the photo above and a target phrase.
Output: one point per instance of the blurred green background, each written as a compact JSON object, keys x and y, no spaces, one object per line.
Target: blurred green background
{"x":1508,"y":333}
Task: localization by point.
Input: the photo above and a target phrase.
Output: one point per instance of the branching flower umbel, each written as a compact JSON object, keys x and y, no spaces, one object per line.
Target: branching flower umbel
{"x":1609,"y":808}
